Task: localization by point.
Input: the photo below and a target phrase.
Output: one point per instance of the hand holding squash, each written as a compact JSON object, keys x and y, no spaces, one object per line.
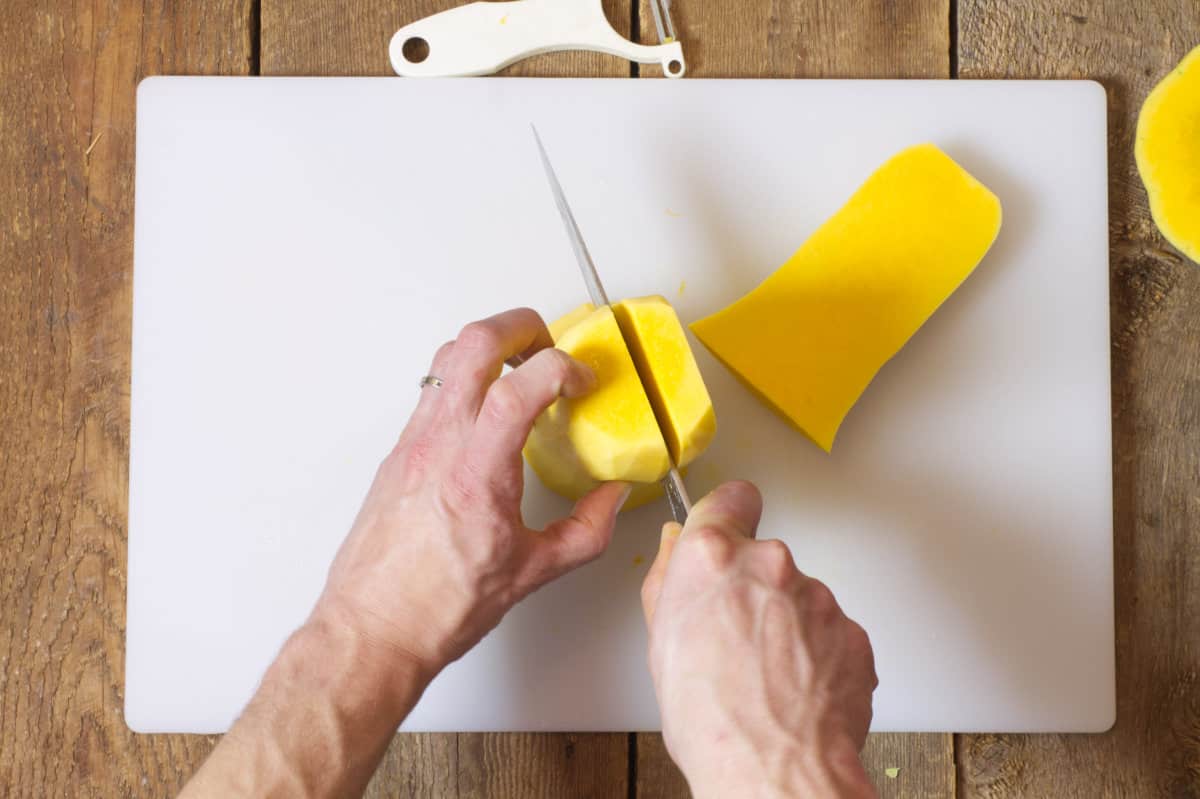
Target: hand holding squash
{"x":439,"y":552}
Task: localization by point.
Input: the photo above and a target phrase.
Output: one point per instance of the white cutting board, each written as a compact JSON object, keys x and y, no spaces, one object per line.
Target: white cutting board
{"x":303,"y":245}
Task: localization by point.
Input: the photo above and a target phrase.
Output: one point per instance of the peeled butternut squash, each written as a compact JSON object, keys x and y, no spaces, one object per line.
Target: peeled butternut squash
{"x":812,"y":336}
{"x":611,"y":432}
{"x":646,"y":377}
{"x":1167,"y":149}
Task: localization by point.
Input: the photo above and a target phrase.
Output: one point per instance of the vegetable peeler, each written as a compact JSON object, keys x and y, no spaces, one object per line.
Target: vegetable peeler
{"x":484,"y":37}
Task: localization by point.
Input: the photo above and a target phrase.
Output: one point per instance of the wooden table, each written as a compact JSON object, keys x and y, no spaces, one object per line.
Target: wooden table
{"x":67,"y":76}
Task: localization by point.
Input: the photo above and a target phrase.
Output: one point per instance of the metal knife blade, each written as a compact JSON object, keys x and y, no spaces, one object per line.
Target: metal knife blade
{"x":677,"y":496}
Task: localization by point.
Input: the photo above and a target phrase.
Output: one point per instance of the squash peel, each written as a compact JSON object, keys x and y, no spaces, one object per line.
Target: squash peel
{"x":1167,"y":150}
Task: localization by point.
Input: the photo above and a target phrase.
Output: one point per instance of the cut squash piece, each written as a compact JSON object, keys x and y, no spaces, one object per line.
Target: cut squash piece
{"x":1168,"y":155}
{"x":648,"y":386}
{"x":669,"y":373}
{"x":813,"y":335}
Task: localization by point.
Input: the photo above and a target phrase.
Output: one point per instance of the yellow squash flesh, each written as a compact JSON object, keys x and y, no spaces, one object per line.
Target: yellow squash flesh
{"x":1168,"y":155}
{"x":613,"y":433}
{"x":813,"y":335}
{"x":669,"y":374}
{"x":610,"y":433}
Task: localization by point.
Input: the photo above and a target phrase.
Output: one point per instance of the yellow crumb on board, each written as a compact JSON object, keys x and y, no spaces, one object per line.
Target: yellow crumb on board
{"x":892,"y":773}
{"x":673,"y":213}
{"x":682,"y":287}
{"x":504,"y":19}
{"x":638,"y":560}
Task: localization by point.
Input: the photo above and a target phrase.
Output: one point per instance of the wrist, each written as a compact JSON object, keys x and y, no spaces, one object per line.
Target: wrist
{"x":390,"y":672}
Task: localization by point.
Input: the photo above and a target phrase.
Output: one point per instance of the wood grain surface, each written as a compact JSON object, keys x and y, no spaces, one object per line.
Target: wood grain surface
{"x":806,"y":39}
{"x":1154,"y":750}
{"x":68,"y":72}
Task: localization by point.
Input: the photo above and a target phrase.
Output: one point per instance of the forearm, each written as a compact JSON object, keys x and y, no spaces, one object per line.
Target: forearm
{"x":320,"y":721}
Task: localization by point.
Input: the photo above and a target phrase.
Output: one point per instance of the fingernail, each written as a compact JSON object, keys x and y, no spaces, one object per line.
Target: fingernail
{"x":625,"y":495}
{"x":671,"y":530}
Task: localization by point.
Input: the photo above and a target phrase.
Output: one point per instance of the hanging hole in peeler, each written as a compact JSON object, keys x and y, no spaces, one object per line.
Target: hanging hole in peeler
{"x":415,"y":50}
{"x":674,"y":67}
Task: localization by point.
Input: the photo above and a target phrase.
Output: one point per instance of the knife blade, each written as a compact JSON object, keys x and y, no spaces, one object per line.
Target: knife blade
{"x":677,"y":495}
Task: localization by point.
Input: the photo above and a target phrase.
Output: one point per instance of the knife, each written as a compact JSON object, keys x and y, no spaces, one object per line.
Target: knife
{"x":672,"y":484}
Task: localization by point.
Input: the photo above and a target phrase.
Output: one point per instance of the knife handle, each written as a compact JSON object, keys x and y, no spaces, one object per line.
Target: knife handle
{"x":483,"y":37}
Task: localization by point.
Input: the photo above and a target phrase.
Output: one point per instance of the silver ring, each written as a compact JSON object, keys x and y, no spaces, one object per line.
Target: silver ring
{"x":430,"y":380}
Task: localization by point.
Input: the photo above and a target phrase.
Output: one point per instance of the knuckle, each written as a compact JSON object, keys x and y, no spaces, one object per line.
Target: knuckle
{"x":858,"y":637}
{"x":504,"y":402}
{"x":479,"y":337}
{"x":777,"y":561}
{"x":820,"y":599}
{"x":557,"y":367}
{"x":558,"y":363}
{"x":532,"y":317}
{"x":713,"y":546}
{"x":443,"y":354}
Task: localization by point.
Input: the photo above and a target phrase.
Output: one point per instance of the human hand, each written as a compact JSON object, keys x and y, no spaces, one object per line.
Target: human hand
{"x":439,"y":551}
{"x":764,"y":684}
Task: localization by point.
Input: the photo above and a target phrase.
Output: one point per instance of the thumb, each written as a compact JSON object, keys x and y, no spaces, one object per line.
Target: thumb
{"x":583,"y":536}
{"x":652,"y":585}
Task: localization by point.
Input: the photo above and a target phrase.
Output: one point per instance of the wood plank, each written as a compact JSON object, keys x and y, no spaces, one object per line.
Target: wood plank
{"x":924,"y":767}
{"x":807,"y":39}
{"x":418,"y":766}
{"x":543,"y":766}
{"x":1154,"y":750}
{"x":657,"y":775}
{"x":923,"y":764}
{"x":67,"y":81}
{"x":313,"y":37}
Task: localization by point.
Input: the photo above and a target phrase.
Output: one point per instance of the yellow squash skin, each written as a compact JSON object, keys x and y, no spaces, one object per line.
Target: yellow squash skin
{"x":670,"y":375}
{"x":813,"y":335}
{"x":1167,"y":149}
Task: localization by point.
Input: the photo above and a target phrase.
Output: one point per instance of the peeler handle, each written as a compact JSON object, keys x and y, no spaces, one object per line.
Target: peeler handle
{"x":483,"y":37}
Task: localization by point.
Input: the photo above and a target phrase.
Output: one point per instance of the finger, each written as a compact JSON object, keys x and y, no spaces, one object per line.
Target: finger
{"x":515,"y":401}
{"x":581,"y":537}
{"x":652,"y":585}
{"x":481,"y":350}
{"x":431,"y":394}
{"x":733,"y":509}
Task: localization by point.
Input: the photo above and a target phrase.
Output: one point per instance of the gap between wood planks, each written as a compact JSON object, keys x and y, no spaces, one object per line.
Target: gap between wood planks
{"x":953,"y":20}
{"x":255,"y":28}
